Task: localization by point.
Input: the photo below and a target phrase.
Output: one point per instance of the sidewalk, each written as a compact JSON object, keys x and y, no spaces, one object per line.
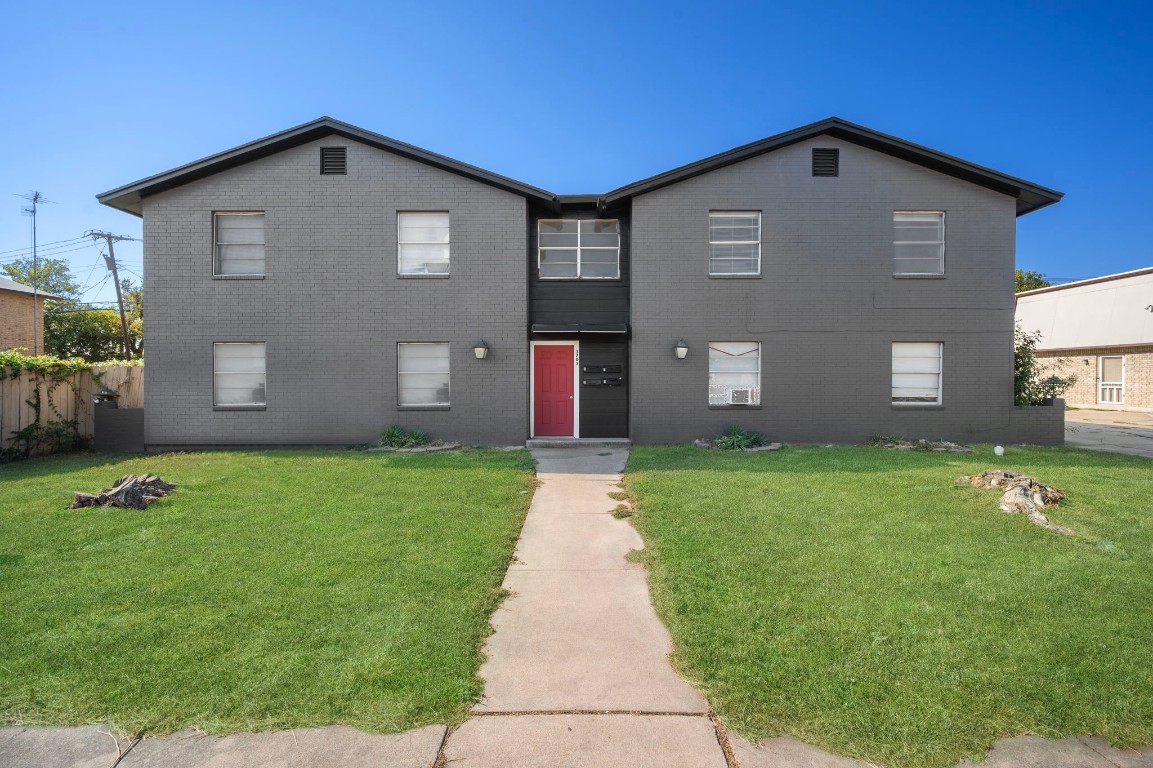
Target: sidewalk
{"x":577,"y":670}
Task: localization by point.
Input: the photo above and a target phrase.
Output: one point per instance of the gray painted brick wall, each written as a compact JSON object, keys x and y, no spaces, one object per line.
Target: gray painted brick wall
{"x":331,"y":308}
{"x":827,"y":307}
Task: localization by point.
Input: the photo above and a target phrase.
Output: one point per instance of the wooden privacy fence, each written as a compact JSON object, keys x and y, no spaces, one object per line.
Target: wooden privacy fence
{"x":60,"y":402}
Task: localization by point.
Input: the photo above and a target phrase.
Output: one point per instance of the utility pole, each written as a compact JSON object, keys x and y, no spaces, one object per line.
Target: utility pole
{"x":35,"y":198}
{"x":110,"y":262}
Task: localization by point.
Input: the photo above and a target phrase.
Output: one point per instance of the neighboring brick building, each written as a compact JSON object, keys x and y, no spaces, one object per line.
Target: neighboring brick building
{"x":1101,"y":331}
{"x":319,"y":284}
{"x":16,"y":301}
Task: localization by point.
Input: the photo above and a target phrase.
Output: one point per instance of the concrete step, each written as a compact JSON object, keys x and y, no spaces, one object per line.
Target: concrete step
{"x":577,"y":442}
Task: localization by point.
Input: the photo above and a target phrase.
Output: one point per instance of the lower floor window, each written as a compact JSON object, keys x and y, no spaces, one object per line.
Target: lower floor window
{"x":917,"y":372}
{"x":734,"y":373}
{"x":238,"y":373}
{"x":422,"y":373}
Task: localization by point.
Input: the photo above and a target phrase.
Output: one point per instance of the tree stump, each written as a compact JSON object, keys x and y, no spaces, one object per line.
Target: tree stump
{"x":129,"y":492}
{"x":1022,"y":494}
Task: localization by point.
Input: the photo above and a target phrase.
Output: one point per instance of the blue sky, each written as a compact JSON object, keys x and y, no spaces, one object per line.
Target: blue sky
{"x":583,"y":98}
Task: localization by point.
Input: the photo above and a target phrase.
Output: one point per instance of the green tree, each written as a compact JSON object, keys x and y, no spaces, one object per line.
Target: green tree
{"x":1027,"y":281}
{"x":93,"y":334}
{"x":51,"y":276}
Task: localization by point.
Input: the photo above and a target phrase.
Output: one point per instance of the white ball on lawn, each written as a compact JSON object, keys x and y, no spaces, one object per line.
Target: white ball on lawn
{"x":999,"y":450}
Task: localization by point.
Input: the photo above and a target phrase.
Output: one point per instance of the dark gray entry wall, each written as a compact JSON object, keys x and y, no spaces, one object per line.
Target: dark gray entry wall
{"x":597,"y":311}
{"x":826,"y":307}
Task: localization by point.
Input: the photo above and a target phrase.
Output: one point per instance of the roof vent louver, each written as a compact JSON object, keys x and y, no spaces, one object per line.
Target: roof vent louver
{"x":826,"y":162}
{"x":333,"y":161}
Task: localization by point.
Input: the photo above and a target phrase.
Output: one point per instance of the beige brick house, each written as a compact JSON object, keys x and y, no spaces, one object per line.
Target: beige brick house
{"x":16,"y":302}
{"x":1100,"y":330}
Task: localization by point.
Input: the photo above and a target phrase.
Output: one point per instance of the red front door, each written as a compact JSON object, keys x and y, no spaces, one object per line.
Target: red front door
{"x":553,"y":390}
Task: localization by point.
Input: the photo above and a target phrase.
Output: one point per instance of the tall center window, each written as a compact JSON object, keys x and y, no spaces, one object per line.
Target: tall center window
{"x":579,"y":249}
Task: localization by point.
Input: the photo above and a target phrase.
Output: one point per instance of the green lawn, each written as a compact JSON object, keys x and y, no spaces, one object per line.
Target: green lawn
{"x":856,"y":599}
{"x":273,"y":589}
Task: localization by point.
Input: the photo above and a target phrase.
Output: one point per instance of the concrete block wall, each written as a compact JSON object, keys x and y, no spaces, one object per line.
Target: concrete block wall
{"x":16,"y":321}
{"x":331,"y":307}
{"x":1083,"y":364}
{"x":826,"y":308}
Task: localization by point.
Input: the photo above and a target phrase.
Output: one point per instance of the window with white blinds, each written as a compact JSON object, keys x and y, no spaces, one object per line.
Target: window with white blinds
{"x":735,"y":243}
{"x":918,"y":243}
{"x":238,"y":372}
{"x":422,"y":243}
{"x":734,"y":373}
{"x":239,"y":243}
{"x":422,"y":373}
{"x":917,"y":372}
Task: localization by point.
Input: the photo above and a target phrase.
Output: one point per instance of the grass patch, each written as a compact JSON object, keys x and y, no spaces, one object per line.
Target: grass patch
{"x":273,"y":589}
{"x":858,"y":600}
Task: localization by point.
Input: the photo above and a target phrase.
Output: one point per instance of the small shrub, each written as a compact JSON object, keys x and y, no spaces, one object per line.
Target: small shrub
{"x":734,"y":437}
{"x":1030,"y":386}
{"x":399,"y":437}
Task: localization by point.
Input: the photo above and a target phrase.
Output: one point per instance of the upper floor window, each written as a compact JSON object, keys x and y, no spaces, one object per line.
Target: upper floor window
{"x":238,"y":374}
{"x":734,"y":373}
{"x":422,"y":243}
{"x":579,"y":249}
{"x":918,"y":242}
{"x":239,"y":243}
{"x":917,"y":372}
{"x":735,"y":243}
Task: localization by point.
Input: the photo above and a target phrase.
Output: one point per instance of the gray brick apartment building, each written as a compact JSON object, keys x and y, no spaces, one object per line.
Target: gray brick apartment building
{"x":824,"y":284}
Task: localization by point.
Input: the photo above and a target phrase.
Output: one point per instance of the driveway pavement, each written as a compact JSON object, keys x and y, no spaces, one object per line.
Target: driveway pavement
{"x":1128,"y":432}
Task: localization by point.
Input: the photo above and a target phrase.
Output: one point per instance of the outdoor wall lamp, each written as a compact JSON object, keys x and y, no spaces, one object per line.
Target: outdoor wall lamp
{"x":480,"y":349}
{"x":681,"y":349}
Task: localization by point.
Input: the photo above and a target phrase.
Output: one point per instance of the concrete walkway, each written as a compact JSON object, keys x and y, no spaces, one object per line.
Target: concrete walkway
{"x":1116,"y":431}
{"x":577,"y":669}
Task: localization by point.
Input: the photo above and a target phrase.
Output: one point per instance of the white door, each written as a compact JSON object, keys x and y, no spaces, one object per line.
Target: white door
{"x":1111,"y":379}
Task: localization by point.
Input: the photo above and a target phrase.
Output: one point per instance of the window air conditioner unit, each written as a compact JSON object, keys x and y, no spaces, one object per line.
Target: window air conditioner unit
{"x":741,"y":396}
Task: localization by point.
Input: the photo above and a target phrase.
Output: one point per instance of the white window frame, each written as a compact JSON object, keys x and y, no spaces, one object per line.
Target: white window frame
{"x":939,"y":372}
{"x":400,"y":374}
{"x":939,"y":243}
{"x":216,"y":270}
{"x":217,"y":374}
{"x":756,"y":399}
{"x":760,"y":235}
{"x":579,"y":250}
{"x":401,"y":243}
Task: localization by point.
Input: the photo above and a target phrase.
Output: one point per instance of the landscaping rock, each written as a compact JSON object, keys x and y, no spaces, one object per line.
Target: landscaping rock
{"x":1023,"y":494}
{"x":709,"y":445}
{"x":130,"y":492}
{"x":901,"y":444}
{"x":431,"y":448}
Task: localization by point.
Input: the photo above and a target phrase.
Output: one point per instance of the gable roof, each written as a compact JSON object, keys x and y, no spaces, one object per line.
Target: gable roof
{"x":128,"y":197}
{"x":1029,"y":196}
{"x":15,"y":287}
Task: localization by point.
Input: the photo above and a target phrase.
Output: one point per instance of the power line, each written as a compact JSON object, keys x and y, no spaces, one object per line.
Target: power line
{"x":41,"y":254}
{"x":45,"y":245}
